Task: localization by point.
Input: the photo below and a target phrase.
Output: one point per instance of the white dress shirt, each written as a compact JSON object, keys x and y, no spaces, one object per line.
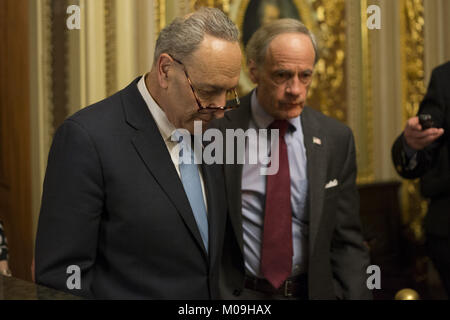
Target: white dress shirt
{"x":166,"y":129}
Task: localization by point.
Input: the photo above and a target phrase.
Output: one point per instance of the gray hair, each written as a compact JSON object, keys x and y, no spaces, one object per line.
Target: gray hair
{"x":183,"y":36}
{"x":259,"y":42}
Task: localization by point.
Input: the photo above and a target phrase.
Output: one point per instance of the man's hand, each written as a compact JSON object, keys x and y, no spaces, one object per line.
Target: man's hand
{"x":418,"y":139}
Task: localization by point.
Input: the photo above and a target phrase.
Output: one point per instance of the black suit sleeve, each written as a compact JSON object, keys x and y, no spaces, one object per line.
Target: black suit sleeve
{"x":72,"y":204}
{"x":402,"y":162}
{"x":349,"y":255}
{"x":433,"y":104}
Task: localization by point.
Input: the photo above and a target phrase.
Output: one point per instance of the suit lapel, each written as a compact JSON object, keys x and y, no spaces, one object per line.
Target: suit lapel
{"x":315,"y":145}
{"x":238,"y":119}
{"x":153,"y":152}
{"x":216,"y":208}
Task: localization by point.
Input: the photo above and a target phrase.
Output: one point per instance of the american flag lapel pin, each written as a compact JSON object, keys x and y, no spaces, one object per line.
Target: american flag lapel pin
{"x":317,"y":141}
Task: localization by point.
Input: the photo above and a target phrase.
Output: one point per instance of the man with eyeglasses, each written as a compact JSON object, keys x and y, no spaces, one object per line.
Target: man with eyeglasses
{"x":295,"y":234}
{"x":117,"y":202}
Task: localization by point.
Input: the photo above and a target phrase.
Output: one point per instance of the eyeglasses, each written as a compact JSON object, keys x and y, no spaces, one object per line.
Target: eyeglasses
{"x":232,"y":99}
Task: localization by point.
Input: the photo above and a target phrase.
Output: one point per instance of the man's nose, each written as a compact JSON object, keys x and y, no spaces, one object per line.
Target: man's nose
{"x":218,"y":114}
{"x":218,"y":101}
{"x":295,"y":87}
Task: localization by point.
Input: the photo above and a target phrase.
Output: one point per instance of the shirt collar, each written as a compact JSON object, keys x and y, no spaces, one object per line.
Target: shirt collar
{"x":263,"y":119}
{"x":166,"y":128}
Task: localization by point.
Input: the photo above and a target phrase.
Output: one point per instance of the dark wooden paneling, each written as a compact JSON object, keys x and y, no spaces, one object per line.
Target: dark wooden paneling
{"x":15,"y":193}
{"x":383,"y":231}
{"x":2,"y":170}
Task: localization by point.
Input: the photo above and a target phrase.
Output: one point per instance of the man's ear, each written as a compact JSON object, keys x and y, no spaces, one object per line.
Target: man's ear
{"x":253,"y":71}
{"x":163,"y":65}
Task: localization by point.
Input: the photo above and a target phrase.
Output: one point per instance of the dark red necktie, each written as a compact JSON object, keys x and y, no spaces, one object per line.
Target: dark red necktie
{"x":276,"y":256}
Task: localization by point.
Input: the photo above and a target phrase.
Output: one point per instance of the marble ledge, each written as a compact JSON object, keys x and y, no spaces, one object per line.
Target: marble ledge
{"x":16,"y":289}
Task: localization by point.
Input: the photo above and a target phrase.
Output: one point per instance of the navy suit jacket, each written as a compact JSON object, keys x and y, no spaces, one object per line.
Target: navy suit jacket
{"x":114,"y":205}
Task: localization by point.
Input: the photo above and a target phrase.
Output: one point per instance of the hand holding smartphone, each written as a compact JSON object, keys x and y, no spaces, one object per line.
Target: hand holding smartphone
{"x":419,"y":139}
{"x":426,"y":121}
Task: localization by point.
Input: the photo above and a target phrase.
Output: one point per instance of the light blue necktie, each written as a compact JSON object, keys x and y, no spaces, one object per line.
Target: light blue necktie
{"x":191,"y":182}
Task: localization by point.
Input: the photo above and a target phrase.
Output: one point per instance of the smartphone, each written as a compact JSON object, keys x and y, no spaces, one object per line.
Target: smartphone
{"x":426,"y":121}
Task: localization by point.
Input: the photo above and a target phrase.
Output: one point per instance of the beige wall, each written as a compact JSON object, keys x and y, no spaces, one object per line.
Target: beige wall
{"x":387,"y":91}
{"x":437,"y":34}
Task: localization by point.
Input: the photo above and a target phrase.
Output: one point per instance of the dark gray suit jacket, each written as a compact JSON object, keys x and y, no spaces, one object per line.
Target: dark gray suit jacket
{"x":114,"y":205}
{"x":338,"y":257}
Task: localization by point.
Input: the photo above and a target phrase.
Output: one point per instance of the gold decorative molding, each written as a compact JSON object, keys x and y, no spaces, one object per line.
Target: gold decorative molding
{"x":47,"y":71}
{"x":358,"y":79}
{"x":353,"y":80}
{"x":160,"y":16}
{"x":303,"y":6}
{"x":60,"y":62}
{"x":366,"y":172}
{"x":192,"y":5}
{"x":182,"y":7}
{"x":223,"y":5}
{"x":41,"y":97}
{"x":110,"y":47}
{"x":328,"y":89}
{"x":412,"y":44}
{"x":92,"y":53}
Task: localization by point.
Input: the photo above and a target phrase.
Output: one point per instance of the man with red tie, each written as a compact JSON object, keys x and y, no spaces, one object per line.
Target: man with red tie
{"x":294,"y":234}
